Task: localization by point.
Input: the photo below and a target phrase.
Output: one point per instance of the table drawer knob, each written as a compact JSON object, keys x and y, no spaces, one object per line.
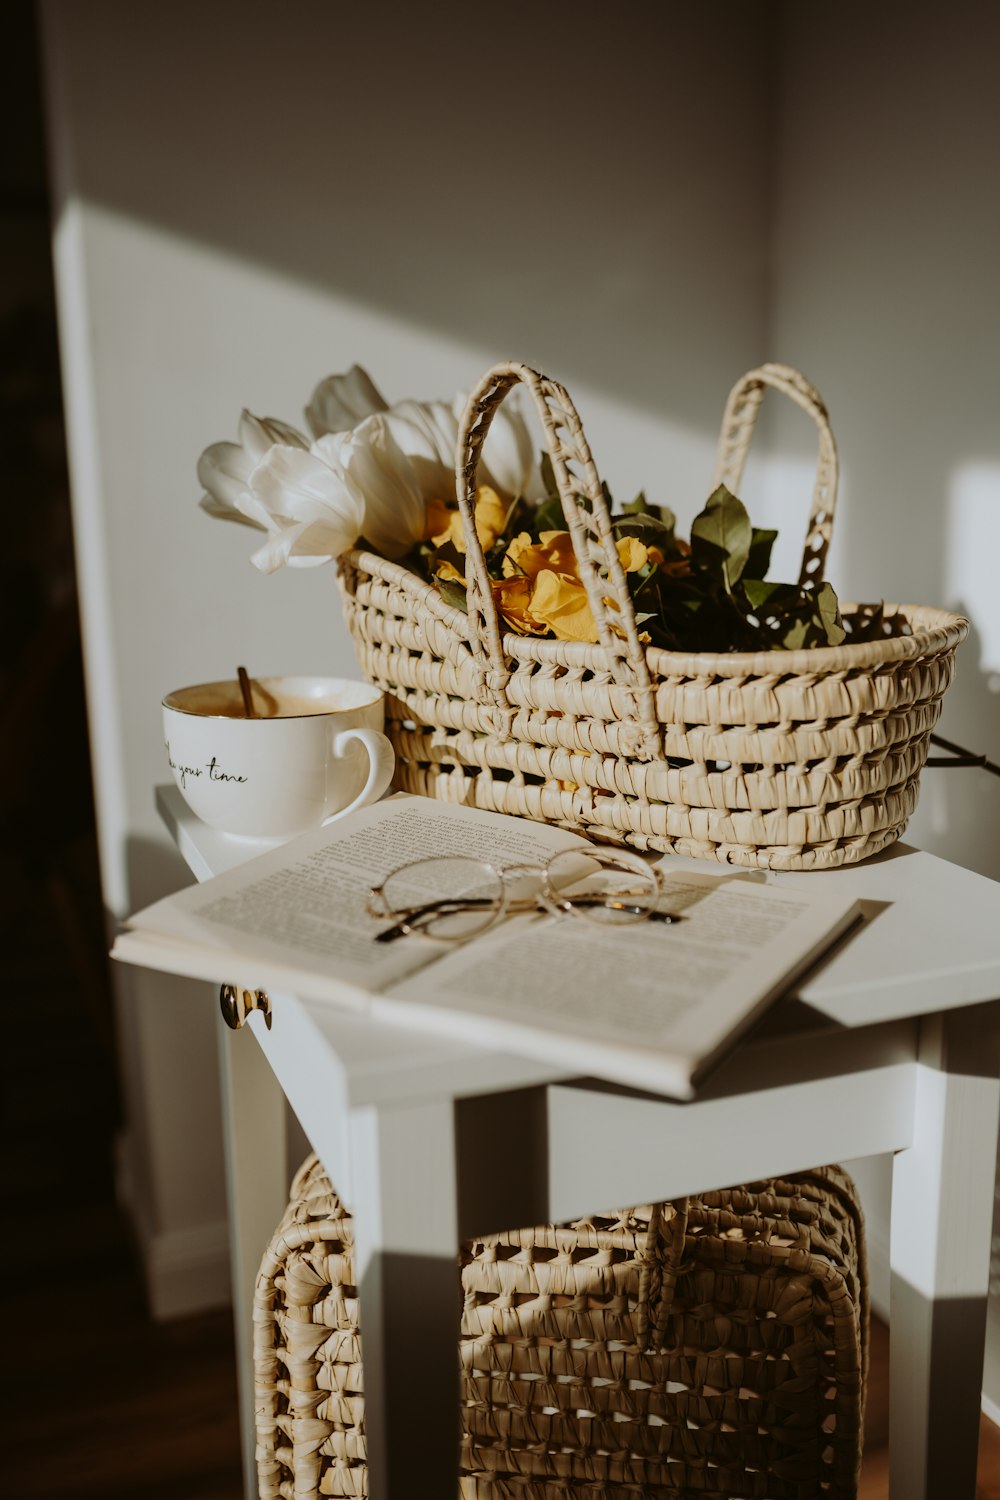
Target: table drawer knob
{"x":236,"y":1004}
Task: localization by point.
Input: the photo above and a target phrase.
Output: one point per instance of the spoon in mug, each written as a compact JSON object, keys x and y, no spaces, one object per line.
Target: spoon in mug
{"x":248,"y":707}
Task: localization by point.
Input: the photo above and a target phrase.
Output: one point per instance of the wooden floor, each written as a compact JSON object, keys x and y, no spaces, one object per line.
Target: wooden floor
{"x":98,"y":1401}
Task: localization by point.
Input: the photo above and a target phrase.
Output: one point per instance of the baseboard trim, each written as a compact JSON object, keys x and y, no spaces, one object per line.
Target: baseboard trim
{"x":187,"y":1270}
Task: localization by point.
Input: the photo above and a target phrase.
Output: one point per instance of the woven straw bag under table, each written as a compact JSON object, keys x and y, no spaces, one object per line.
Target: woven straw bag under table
{"x":781,"y":759}
{"x":712,"y":1348}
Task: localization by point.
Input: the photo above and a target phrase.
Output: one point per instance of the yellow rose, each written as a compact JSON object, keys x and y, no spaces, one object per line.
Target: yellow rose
{"x":513,"y":600}
{"x":561,"y":603}
{"x":633,"y":553}
{"x":491,"y":517}
{"x":553,"y":550}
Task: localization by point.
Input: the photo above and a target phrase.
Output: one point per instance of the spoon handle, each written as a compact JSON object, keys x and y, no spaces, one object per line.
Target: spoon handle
{"x":248,"y":707}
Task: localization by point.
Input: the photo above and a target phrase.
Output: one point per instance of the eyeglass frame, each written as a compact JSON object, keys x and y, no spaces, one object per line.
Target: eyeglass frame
{"x":543,"y":900}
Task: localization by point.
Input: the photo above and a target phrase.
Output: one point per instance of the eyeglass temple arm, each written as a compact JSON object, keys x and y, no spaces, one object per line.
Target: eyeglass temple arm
{"x":413,"y":917}
{"x":416,"y":916}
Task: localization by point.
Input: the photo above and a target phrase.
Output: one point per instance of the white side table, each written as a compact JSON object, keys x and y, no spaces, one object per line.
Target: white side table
{"x":893,"y":1047}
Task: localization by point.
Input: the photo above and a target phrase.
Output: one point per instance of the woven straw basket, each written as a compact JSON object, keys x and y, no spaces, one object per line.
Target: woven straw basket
{"x":715,"y":1348}
{"x":788,"y":760}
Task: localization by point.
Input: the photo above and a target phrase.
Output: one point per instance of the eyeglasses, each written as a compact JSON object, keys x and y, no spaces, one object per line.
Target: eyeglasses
{"x":454,"y":897}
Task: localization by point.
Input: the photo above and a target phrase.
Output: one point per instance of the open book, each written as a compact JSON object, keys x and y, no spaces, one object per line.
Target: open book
{"x":641,"y":1003}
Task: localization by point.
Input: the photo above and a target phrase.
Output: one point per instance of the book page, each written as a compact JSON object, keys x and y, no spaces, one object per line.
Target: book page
{"x":652,"y":1002}
{"x":302,"y":906}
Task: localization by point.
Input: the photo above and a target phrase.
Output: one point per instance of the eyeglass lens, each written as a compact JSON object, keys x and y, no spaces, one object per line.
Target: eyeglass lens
{"x":601,"y":885}
{"x":420,"y":893}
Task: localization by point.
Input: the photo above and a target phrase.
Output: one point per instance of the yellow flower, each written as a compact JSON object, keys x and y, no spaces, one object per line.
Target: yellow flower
{"x":633,"y":553}
{"x":437,"y":517}
{"x":541,"y":592}
{"x":558,"y":601}
{"x":561,"y":604}
{"x":513,"y":600}
{"x":491,"y":517}
{"x":680,"y":567}
{"x":554,"y":549}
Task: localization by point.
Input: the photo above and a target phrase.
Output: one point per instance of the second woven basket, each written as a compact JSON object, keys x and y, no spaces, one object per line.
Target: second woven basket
{"x":708,"y":1350}
{"x":780,"y":759}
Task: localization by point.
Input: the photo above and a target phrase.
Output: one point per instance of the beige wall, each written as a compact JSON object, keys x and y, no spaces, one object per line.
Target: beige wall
{"x":251,"y":197}
{"x":886,"y":247}
{"x":886,"y":291}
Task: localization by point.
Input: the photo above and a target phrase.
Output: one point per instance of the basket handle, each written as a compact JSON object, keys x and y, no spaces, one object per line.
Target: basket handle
{"x":589,"y":522}
{"x":738,"y":422}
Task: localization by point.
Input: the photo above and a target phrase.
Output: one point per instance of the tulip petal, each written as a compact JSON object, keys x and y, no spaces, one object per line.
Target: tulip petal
{"x":224,"y":471}
{"x":379,"y":469}
{"x":313,"y":510}
{"x":258,"y":434}
{"x":249,"y":513}
{"x":436,"y":426}
{"x":340,"y":402}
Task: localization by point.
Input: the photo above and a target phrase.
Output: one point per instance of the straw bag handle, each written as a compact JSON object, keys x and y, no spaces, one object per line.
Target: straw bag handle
{"x":589,"y":522}
{"x":738,"y":422}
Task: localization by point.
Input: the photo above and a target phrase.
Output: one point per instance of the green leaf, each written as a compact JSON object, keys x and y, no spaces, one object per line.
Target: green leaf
{"x":828,"y":613}
{"x":795,"y":635}
{"x":720,"y":537}
{"x":548,"y":474}
{"x":761,"y":592}
{"x":452,"y":592}
{"x":550,"y":516}
{"x":448,"y":552}
{"x":759,"y":556}
{"x":641,"y":509}
{"x":649,"y":529}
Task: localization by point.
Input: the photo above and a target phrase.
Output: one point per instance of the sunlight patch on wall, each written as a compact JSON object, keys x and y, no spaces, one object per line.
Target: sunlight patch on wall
{"x":778,"y":493}
{"x":972,"y":551}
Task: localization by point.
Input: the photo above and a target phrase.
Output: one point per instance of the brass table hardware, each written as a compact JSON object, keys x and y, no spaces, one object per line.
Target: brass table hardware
{"x":236,"y":1004}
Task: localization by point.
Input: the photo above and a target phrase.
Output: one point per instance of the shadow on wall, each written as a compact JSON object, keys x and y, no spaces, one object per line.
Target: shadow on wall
{"x":443,"y":165}
{"x":958,"y":815}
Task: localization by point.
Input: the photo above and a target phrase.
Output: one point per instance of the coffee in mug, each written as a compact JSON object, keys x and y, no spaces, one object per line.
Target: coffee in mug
{"x":313,"y":752}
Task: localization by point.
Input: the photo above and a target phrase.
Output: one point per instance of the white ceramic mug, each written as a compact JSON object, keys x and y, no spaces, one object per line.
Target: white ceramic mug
{"x":315,"y":752}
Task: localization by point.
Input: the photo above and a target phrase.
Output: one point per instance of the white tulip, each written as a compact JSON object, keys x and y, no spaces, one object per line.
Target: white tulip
{"x":435,"y":423}
{"x":377,"y":467}
{"x":340,"y":402}
{"x":258,"y":434}
{"x":224,"y":469}
{"x":370,"y":471}
{"x":313,"y":510}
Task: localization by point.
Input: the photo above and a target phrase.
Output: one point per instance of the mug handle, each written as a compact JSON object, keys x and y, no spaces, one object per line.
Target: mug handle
{"x":382,"y":763}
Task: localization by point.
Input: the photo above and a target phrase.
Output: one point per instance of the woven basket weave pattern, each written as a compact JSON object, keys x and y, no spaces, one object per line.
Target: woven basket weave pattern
{"x":790,"y":760}
{"x":714,"y":1348}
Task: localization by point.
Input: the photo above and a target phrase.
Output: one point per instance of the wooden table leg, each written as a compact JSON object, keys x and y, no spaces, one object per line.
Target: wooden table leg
{"x":406,"y":1244}
{"x":253,"y":1117}
{"x":942,"y":1210}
